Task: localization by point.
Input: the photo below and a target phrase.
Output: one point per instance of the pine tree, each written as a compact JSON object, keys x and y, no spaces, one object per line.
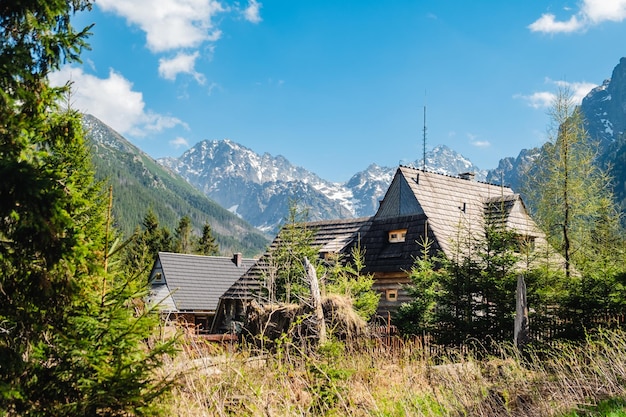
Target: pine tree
{"x":417,"y":316}
{"x":284,"y":279}
{"x":468,"y":295}
{"x":206,"y":245}
{"x":145,"y":244}
{"x":183,"y":236}
{"x":71,"y":342}
{"x":348,"y":279}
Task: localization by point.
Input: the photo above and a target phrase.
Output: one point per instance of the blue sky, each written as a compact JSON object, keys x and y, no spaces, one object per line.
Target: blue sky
{"x":336,"y":85}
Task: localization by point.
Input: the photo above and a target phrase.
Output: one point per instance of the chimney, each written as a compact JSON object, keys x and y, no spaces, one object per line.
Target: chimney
{"x":237,"y":257}
{"x":469,"y":176}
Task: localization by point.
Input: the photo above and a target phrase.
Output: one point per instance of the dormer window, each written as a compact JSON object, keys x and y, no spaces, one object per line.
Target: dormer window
{"x":397,"y":236}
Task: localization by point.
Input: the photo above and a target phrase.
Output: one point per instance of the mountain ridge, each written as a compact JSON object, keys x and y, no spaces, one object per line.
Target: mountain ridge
{"x":140,"y":183}
{"x":260,"y":187}
{"x":266,"y":184}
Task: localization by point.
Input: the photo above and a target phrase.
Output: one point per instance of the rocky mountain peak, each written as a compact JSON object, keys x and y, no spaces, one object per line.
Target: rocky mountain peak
{"x":604,"y":108}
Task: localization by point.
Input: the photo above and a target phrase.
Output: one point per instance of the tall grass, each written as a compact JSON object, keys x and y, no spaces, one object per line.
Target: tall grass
{"x":372,"y":380}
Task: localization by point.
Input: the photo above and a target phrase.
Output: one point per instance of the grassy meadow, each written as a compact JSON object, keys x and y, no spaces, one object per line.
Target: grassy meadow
{"x":568,"y":380}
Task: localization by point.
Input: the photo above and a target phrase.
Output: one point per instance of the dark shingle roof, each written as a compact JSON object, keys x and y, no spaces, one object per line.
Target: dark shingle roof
{"x":384,"y":256}
{"x":330,"y":236}
{"x":197,"y":282}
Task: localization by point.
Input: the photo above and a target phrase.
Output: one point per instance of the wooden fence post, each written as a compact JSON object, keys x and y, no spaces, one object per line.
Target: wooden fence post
{"x":521,"y":331}
{"x":316,"y":298}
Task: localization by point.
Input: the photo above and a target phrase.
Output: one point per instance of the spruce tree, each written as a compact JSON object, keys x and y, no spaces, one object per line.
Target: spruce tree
{"x":184,"y":237}
{"x":72,"y":333}
{"x":346,"y":278}
{"x":146,"y":243}
{"x":284,"y":279}
{"x":206,"y":244}
{"x":468,"y":295}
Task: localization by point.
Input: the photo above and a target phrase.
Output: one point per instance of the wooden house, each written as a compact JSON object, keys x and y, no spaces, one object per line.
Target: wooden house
{"x":445,"y":209}
{"x":188,"y":287}
{"x":331,"y":237}
{"x":418,"y":205}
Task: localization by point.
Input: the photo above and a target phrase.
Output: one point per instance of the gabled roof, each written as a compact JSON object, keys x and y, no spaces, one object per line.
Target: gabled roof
{"x":330,"y":236}
{"x":451,"y":204}
{"x":194,"y":282}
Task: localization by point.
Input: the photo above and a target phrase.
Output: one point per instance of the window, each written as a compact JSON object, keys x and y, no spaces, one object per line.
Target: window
{"x":391,"y":295}
{"x":396,"y":236}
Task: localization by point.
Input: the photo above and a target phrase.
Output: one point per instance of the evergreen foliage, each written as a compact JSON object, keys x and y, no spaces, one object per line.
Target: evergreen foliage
{"x":143,"y":247}
{"x":184,"y":237}
{"x":471,"y":295}
{"x":206,"y":244}
{"x":72,"y":332}
{"x":139,"y":184}
{"x":284,"y":278}
{"x":347,"y":278}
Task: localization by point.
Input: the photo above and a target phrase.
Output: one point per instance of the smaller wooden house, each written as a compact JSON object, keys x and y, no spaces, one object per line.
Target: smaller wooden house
{"x":331,"y":237}
{"x":188,"y":287}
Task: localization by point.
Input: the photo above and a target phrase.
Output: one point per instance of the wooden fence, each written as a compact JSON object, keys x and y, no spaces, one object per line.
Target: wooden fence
{"x":543,"y":329}
{"x":548,"y":328}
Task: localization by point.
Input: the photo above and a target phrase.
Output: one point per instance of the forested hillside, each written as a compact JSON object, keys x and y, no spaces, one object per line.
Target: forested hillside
{"x":140,"y":184}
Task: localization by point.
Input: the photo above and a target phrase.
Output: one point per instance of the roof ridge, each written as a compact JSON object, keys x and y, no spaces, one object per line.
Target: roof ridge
{"x":451,"y":176}
{"x":344,"y":220}
{"x":203,"y":256}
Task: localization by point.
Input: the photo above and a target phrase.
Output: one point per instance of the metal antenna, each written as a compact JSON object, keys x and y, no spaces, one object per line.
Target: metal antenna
{"x":424,"y":143}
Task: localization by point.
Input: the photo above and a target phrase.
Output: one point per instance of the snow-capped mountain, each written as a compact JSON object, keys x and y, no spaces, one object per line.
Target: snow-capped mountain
{"x":259,"y":187}
{"x":140,"y":183}
{"x":444,"y":160}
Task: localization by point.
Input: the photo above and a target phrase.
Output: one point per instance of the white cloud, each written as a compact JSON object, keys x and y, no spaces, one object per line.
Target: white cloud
{"x":113,"y":101}
{"x":538,"y":100}
{"x":182,"y":63}
{"x":547,"y":23}
{"x":213,"y":86}
{"x":598,"y":11}
{"x":592,"y":12}
{"x":179,"y":142}
{"x":545,"y":99}
{"x":170,"y":24}
{"x":578,"y":89}
{"x":478,"y":143}
{"x":252,"y":13}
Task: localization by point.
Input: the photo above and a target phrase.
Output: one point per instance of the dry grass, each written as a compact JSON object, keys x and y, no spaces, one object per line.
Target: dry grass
{"x":374,"y":381}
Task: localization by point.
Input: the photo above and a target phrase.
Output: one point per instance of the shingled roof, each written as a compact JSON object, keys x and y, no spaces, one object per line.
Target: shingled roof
{"x":194,"y":282}
{"x":331,"y":236}
{"x":452,"y":204}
